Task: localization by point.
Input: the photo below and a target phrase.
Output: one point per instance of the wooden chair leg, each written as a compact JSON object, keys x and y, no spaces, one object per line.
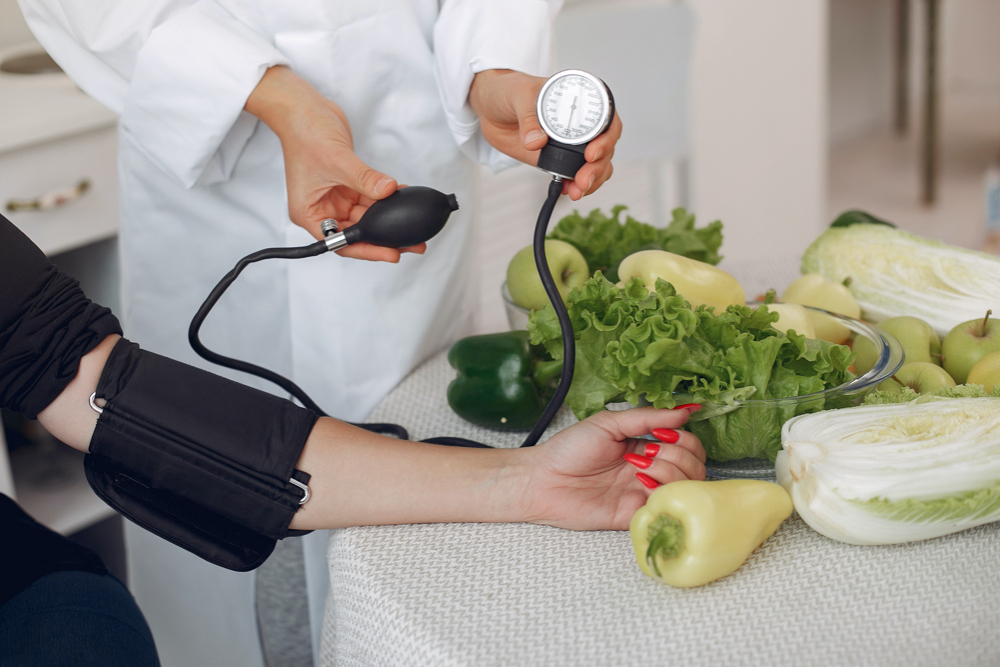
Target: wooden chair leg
{"x":929,"y":134}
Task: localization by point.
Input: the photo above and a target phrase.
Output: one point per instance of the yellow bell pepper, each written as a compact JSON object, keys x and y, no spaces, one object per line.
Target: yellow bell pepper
{"x":792,"y":316}
{"x":690,"y":533}
{"x":816,"y":291}
{"x":699,"y":283}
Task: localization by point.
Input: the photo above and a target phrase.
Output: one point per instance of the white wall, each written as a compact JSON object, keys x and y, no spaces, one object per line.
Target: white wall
{"x":13,"y":29}
{"x":759,"y":133}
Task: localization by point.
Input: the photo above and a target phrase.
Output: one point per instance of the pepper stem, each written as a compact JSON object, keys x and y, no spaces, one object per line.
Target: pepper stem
{"x":666,"y":540}
{"x":546,"y":372}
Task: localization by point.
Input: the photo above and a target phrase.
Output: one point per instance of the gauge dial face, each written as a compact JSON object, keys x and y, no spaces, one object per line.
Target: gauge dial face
{"x":574,"y":107}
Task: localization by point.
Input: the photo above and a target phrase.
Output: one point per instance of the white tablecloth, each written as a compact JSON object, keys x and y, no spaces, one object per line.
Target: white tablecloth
{"x":519,"y":594}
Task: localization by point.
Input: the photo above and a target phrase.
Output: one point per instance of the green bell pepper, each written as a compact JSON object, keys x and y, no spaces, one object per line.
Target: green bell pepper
{"x":501,"y":384}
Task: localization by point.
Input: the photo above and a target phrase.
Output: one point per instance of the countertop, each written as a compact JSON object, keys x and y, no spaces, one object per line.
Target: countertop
{"x":42,"y":107}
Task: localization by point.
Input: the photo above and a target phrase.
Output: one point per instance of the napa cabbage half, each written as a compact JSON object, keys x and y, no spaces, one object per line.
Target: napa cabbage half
{"x":891,"y":473}
{"x":896,"y":273}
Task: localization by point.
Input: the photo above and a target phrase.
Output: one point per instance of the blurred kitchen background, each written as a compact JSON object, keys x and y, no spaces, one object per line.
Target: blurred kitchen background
{"x":793,"y":115}
{"x":773,"y":116}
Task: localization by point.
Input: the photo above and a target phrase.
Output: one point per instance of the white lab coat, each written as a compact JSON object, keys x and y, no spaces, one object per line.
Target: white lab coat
{"x":202,"y":184}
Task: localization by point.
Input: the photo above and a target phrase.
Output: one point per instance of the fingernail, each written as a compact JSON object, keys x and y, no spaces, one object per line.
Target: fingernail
{"x":690,"y":407}
{"x":598,"y":155}
{"x":533,"y":135}
{"x":638,"y":461}
{"x":667,"y":435}
{"x":593,"y":177}
{"x":382,"y":185}
{"x":646,"y":480}
{"x":652,"y":449}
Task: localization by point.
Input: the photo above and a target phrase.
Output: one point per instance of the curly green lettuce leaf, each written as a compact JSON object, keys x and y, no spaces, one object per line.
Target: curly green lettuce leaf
{"x":605,"y":240}
{"x":682,"y":238}
{"x":640,"y":346}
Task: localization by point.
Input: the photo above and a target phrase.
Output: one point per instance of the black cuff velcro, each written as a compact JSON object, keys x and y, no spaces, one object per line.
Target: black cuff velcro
{"x":197,"y":459}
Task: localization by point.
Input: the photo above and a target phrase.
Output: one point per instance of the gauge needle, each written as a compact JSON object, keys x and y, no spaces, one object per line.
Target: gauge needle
{"x":572,"y":110}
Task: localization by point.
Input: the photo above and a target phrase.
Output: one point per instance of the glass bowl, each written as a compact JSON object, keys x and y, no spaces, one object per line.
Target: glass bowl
{"x":517,"y":316}
{"x":762,"y":419}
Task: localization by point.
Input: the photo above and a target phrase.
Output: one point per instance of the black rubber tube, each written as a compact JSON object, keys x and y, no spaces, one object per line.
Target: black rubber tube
{"x":310,"y":250}
{"x":320,"y":247}
{"x":569,"y":341}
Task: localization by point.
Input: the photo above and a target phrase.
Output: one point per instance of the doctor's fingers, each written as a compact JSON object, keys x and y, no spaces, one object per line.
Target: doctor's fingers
{"x":371,"y":253}
{"x":599,"y":168}
{"x":532,"y":136}
{"x":592,"y":176}
{"x":349,"y":170}
{"x":604,"y":144}
{"x":374,"y":253}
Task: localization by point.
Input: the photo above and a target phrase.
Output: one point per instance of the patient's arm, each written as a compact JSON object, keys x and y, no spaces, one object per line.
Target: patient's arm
{"x":577,"y":479}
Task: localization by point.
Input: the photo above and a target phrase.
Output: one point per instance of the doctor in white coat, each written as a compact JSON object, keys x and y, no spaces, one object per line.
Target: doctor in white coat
{"x":356,"y":97}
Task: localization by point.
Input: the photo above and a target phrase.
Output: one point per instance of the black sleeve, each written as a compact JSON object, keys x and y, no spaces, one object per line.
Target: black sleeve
{"x":47,"y":324}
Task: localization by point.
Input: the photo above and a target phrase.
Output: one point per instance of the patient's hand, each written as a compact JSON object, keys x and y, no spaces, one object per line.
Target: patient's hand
{"x":579,"y":479}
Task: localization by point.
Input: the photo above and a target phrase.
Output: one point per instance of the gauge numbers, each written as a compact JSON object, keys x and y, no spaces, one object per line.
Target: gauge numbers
{"x":573,"y":107}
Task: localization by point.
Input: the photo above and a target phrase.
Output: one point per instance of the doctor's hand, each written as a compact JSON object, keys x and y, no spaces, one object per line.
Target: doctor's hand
{"x":505,"y":101}
{"x":580,"y":480}
{"x":324,"y":177}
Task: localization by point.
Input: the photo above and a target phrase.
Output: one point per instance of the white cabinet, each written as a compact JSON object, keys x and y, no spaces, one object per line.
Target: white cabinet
{"x":57,"y":170}
{"x":53,"y":138}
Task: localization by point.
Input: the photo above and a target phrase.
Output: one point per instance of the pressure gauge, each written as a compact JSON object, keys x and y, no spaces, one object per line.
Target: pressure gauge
{"x":573,"y":108}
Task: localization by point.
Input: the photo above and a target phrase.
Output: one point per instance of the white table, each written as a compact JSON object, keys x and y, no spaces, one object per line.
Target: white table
{"x":519,"y":594}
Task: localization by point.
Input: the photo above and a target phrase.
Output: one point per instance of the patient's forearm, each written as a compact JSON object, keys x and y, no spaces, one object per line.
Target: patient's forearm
{"x":358,"y":477}
{"x":361,"y":478}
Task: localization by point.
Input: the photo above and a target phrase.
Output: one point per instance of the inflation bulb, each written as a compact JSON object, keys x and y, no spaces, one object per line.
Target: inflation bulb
{"x":408,"y":217}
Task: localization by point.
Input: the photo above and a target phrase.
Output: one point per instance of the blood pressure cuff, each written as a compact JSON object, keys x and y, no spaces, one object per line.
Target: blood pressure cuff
{"x":201,"y":461}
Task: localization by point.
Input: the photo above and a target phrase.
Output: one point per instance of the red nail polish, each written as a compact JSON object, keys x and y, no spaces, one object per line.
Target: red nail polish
{"x":652,"y":449}
{"x":638,"y":461}
{"x":646,"y":480}
{"x":667,"y":435}
{"x":690,"y":407}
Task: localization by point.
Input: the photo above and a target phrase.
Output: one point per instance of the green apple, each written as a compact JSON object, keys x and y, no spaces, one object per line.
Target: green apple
{"x":919,"y":341}
{"x":920,"y":376}
{"x":568,"y":267}
{"x":986,"y":371}
{"x":792,"y":316}
{"x":967,"y":343}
